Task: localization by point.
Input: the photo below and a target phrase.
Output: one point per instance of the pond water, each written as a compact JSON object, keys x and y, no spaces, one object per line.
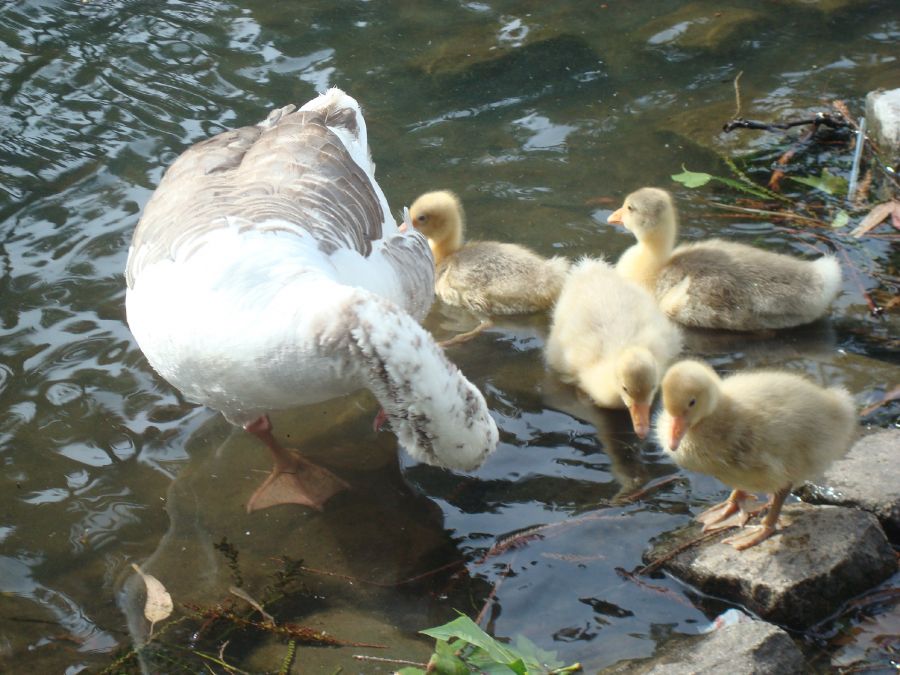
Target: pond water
{"x":541,"y":116}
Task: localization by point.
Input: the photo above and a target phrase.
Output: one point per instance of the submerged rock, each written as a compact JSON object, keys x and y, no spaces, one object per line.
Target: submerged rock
{"x":821,"y":557}
{"x":866,"y":478}
{"x":699,"y":26}
{"x":827,"y":6}
{"x":748,"y":647}
{"x":883,"y":120}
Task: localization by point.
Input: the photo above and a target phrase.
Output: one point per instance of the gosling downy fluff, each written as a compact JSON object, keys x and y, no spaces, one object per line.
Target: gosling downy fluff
{"x":609,"y":337}
{"x":762,"y":431}
{"x":716,"y":283}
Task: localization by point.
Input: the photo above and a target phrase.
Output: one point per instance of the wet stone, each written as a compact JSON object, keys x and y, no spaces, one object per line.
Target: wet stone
{"x":883,"y":120}
{"x":821,"y":557}
{"x":752,"y":647}
{"x":865,"y":478}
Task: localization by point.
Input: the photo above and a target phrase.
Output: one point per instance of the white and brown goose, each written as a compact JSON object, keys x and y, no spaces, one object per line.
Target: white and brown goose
{"x":267,"y":273}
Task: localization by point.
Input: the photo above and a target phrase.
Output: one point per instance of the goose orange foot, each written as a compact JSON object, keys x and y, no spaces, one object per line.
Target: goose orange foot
{"x":294,"y":479}
{"x":733,"y":512}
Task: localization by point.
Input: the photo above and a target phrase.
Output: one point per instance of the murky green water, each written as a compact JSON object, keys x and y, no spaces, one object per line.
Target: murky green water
{"x":541,"y":116}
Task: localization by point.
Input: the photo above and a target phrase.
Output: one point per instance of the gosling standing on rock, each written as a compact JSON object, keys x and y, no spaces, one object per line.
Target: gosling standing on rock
{"x":485,"y":277}
{"x":716,"y":283}
{"x":756,"y":432}
{"x":609,"y":337}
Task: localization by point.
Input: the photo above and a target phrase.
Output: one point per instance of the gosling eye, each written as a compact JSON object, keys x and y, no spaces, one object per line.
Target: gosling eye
{"x":629,"y":207}
{"x":624,"y":388}
{"x":692,"y":402}
{"x":422,"y":218}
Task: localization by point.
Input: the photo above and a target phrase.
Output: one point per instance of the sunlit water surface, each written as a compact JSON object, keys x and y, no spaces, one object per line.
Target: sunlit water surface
{"x":541,"y":116}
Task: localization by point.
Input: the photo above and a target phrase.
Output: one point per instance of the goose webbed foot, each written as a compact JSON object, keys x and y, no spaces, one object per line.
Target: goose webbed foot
{"x":769,"y":524}
{"x":733,"y":512}
{"x":468,"y":335}
{"x":294,"y":479}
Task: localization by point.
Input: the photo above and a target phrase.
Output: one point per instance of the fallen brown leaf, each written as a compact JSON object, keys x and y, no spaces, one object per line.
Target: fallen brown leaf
{"x":875,"y":217}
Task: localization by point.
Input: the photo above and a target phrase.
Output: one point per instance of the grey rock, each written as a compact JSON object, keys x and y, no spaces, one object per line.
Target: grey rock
{"x":883,"y":120}
{"x":751,"y":648}
{"x":866,"y":478}
{"x":821,"y":557}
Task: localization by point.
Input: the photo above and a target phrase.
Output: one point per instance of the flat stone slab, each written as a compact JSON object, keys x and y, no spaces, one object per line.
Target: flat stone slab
{"x":866,"y":478}
{"x":751,"y":648}
{"x":821,"y":557}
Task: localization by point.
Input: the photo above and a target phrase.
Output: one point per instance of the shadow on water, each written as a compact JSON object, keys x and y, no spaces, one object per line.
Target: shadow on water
{"x":541,"y":116}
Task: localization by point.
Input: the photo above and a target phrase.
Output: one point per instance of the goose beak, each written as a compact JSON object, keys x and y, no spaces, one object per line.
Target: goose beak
{"x":677,"y":432}
{"x":616,"y":216}
{"x":640,"y":418}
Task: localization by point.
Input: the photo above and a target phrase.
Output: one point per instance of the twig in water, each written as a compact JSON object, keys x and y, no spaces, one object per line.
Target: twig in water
{"x":835,"y":121}
{"x":634,"y":496}
{"x":890,"y":396}
{"x":774,"y":214}
{"x":662,"y":590}
{"x":399,"y":662}
{"x":289,"y":630}
{"x":737,"y":96}
{"x":383,"y":584}
{"x":487,"y":601}
{"x":653,"y":566}
{"x":243,"y":595}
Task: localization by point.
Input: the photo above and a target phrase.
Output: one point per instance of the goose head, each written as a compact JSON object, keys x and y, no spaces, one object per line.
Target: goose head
{"x":637,"y":376}
{"x":439,"y":216}
{"x":649,"y":214}
{"x":690,"y":392}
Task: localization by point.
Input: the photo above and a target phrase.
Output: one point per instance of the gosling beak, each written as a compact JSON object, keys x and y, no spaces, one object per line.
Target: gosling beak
{"x":615,"y":217}
{"x":406,"y":220}
{"x":640,"y":418}
{"x":677,"y":432}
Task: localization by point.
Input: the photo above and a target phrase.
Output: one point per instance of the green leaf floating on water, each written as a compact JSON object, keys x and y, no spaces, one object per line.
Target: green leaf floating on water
{"x":692,"y":179}
{"x":841,"y":219}
{"x":695,"y":179}
{"x":827,"y":182}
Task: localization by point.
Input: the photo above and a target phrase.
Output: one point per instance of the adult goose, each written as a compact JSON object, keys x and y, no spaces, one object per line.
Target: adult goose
{"x":716,"y":283}
{"x":266,"y":272}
